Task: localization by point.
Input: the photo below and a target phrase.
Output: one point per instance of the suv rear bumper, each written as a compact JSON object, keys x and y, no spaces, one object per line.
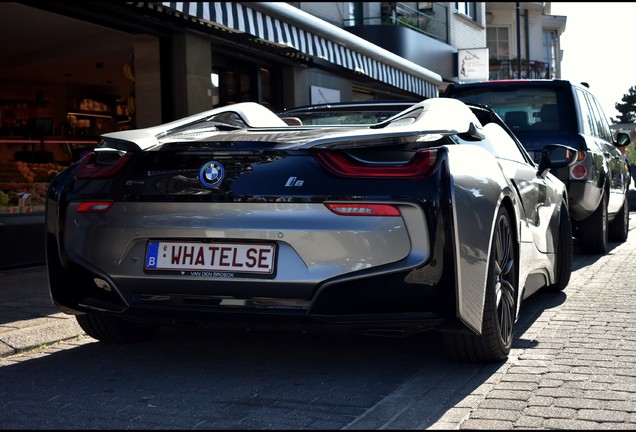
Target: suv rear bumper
{"x":584,"y":197}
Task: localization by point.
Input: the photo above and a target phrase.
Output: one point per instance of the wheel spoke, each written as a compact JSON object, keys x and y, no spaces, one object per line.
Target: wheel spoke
{"x":502,"y":254}
{"x":505,"y":310}
{"x":504,"y":288}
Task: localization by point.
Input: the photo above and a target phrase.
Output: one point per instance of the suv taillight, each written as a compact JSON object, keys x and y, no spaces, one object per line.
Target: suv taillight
{"x":578,"y":170}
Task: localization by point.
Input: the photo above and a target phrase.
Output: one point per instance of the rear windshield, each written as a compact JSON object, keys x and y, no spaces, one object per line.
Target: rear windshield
{"x":523,"y":109}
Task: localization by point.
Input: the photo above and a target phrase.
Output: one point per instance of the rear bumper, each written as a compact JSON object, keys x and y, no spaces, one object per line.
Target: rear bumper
{"x":359,"y":299}
{"x":399,"y":268}
{"x":584,"y":198}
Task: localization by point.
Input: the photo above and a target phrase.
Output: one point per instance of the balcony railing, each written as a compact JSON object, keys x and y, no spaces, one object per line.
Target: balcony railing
{"x":431,"y":22}
{"x":508,"y":69}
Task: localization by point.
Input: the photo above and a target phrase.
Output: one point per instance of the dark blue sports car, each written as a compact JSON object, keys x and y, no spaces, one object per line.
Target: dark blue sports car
{"x":434,"y":219}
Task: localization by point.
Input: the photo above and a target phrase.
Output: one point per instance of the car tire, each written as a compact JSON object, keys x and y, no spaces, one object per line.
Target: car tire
{"x":619,"y":227}
{"x":593,"y":233}
{"x":564,"y":251}
{"x":500,"y":306}
{"x":108,"y":328}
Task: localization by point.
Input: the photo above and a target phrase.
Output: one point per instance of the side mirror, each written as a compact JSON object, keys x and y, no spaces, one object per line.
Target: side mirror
{"x":556,"y":156}
{"x":622,"y":139}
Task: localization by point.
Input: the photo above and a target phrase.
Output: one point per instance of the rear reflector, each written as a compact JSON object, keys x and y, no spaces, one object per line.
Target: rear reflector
{"x":94,"y":206}
{"x":357,"y":209}
{"x":420,"y":166}
{"x":578,"y":171}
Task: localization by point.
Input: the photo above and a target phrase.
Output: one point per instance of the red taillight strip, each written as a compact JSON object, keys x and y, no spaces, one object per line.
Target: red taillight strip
{"x":420,"y":166}
{"x":357,"y":209}
{"x":89,"y":168}
{"x":94,"y":206}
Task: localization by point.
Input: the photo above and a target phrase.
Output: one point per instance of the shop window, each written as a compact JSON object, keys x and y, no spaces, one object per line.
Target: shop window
{"x":39,"y":138}
{"x":245,"y":84}
{"x":362,"y":95}
{"x":215,"y":81}
{"x":265,"y":83}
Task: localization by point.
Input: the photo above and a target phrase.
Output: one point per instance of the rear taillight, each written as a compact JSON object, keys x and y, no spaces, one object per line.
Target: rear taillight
{"x":578,"y":170}
{"x":580,"y":155}
{"x":420,"y":166}
{"x":357,"y":209}
{"x":94,"y":206}
{"x":97,"y":165}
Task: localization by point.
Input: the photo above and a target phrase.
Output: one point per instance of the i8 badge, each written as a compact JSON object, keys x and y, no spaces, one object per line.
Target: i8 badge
{"x":211,"y":174}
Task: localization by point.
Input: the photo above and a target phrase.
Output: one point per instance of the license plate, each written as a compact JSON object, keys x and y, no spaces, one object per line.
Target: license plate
{"x":225,"y":257}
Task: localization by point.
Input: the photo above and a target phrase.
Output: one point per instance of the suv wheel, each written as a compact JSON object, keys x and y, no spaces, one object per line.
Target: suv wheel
{"x":619,"y":227}
{"x":565,"y":252}
{"x":593,"y":231}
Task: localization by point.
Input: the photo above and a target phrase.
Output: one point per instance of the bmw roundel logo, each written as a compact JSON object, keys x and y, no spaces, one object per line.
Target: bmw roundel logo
{"x":211,"y":174}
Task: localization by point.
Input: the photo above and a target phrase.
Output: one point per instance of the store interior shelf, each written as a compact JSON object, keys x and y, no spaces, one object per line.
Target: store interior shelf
{"x":97,"y":114}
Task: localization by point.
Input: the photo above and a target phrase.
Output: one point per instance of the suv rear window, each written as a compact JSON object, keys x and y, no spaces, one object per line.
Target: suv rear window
{"x":344,"y":117}
{"x":523,"y":108}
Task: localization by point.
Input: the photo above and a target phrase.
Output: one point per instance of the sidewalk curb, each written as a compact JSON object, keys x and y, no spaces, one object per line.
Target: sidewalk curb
{"x":37,"y":332}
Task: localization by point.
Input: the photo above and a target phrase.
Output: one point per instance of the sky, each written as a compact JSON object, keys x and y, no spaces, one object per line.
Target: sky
{"x":599,"y":47}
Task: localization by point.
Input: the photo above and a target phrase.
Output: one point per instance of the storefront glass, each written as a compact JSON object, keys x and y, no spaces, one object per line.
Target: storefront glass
{"x":63,"y":83}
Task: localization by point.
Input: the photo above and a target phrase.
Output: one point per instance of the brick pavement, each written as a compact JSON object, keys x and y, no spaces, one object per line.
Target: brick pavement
{"x":574,"y":366}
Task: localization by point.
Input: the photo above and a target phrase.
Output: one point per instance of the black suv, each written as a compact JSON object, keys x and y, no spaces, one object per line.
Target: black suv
{"x":542,"y":112}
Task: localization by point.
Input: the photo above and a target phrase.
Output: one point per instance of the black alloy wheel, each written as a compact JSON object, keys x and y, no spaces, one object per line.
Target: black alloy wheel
{"x":504,"y":281}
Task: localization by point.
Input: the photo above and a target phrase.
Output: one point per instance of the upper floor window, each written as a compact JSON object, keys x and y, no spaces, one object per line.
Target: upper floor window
{"x":498,"y":42}
{"x":353,"y":14}
{"x":550,"y":51}
{"x":467,"y":8}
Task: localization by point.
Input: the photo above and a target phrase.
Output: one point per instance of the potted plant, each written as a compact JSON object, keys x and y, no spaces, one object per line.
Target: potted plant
{"x":514,"y":63}
{"x":494,"y":63}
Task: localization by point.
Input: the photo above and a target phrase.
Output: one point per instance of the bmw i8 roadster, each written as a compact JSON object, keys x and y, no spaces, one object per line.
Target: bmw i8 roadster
{"x":434,"y":219}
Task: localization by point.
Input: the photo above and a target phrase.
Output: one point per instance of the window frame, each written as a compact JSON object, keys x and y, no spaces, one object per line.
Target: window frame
{"x":497,"y":41}
{"x":467,"y":9}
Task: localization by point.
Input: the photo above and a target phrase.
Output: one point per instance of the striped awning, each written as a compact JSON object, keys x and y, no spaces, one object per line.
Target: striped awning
{"x":242,"y":17}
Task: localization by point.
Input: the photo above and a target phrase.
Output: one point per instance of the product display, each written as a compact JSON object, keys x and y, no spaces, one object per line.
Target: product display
{"x":23,"y":185}
{"x":38,"y":140}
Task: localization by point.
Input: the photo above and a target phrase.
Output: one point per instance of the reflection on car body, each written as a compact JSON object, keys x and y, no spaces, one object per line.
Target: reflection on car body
{"x":436,"y":218}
